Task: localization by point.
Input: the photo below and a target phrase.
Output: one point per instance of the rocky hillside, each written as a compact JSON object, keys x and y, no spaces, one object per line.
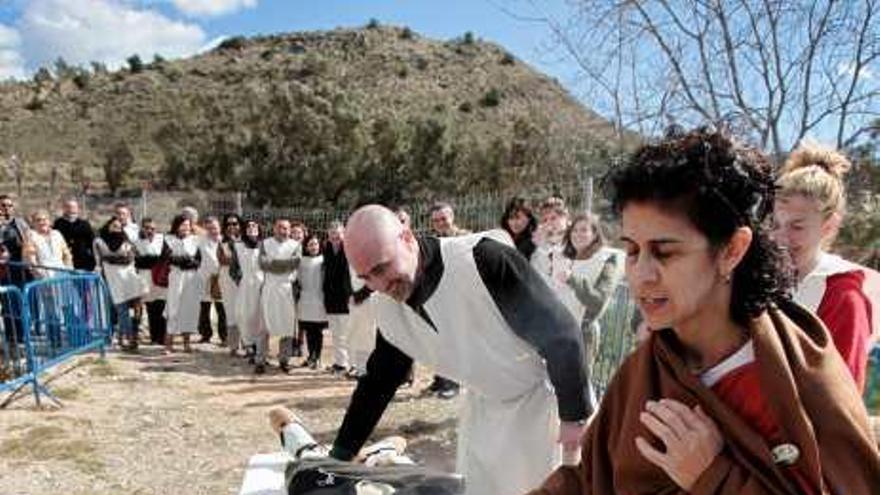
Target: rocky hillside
{"x":318,"y":118}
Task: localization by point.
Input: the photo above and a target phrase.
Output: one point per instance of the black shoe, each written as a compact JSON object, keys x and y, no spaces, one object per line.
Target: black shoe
{"x":314,"y":364}
{"x":260,"y":369}
{"x":284,"y":367}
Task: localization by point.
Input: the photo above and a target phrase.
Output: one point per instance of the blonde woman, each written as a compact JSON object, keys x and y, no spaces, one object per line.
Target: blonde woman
{"x":45,"y":247}
{"x":810,"y":206}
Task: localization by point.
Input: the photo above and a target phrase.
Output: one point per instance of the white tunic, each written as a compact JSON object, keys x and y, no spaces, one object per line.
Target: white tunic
{"x":509,"y":424}
{"x":151,"y":247}
{"x":50,"y":250}
{"x":185,"y":288}
{"x":279,"y":307}
{"x":362,"y":325}
{"x":311,"y":298}
{"x":209,"y":266}
{"x":122,"y":280}
{"x":229,"y":290}
{"x":248,"y":313}
{"x":583,"y":269}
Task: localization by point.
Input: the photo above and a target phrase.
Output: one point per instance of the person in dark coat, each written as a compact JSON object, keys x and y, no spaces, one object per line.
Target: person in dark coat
{"x":337,"y":292}
{"x":78,"y":234}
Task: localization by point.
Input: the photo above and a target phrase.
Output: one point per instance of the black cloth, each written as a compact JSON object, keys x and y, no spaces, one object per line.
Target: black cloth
{"x":332,"y":477}
{"x":314,"y":331}
{"x":156,"y":320}
{"x":12,"y":235}
{"x":80,"y":238}
{"x":186,"y":262}
{"x":337,"y":280}
{"x":527,"y":304}
{"x":205,"y":329}
{"x":113,"y":240}
{"x":525,"y":245}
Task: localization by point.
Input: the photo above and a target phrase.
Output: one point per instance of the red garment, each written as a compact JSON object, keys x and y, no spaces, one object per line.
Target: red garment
{"x":846,"y":311}
{"x":741,"y":390}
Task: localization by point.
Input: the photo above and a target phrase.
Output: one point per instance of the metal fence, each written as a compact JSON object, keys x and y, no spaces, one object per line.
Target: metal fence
{"x":46,"y":322}
{"x":476,"y":212}
{"x":617,"y":338}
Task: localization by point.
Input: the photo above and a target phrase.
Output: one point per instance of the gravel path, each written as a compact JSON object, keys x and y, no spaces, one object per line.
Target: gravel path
{"x":184,"y":424}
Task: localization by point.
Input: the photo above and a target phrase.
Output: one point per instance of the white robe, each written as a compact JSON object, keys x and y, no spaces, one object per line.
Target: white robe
{"x":151,"y":247}
{"x":50,"y":251}
{"x":509,"y":425}
{"x":362,"y":326}
{"x":185,"y":289}
{"x":311,"y":298}
{"x":279,"y":307}
{"x":248,"y":311}
{"x":209,"y":266}
{"x":229,"y":290}
{"x":583,"y":269}
{"x":123,"y":280}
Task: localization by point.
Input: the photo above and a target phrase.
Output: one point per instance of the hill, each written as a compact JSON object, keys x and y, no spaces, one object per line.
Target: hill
{"x":317,"y":118}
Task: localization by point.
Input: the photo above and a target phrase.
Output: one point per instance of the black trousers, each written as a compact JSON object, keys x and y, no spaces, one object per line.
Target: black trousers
{"x":156,"y":320}
{"x":314,"y":337}
{"x":205,"y":329}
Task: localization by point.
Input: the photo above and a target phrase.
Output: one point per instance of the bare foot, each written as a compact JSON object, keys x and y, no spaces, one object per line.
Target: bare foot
{"x":280,"y":416}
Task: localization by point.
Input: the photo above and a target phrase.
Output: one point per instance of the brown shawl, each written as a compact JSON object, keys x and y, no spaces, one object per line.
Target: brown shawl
{"x":805,"y":382}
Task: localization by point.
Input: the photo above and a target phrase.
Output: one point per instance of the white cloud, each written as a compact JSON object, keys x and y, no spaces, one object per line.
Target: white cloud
{"x":212,"y":7}
{"x":108,"y":31}
{"x":11,"y":60}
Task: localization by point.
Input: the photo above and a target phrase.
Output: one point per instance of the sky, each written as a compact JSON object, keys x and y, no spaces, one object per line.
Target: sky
{"x":34,"y":33}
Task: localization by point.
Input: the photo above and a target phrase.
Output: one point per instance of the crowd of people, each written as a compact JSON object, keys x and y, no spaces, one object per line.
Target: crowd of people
{"x":753,"y":362}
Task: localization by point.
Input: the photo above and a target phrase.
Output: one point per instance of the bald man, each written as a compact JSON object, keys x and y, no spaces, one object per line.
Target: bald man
{"x":473,"y":309}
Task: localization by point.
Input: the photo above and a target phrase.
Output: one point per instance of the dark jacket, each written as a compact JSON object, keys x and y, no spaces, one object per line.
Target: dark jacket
{"x":337,"y":281}
{"x":80,"y":238}
{"x":12,"y":236}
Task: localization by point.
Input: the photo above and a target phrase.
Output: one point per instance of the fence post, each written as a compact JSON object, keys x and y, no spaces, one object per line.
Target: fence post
{"x":239,"y":210}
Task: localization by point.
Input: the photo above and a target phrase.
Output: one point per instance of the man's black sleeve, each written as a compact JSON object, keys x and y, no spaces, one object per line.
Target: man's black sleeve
{"x":387,"y":368}
{"x":537,"y":316}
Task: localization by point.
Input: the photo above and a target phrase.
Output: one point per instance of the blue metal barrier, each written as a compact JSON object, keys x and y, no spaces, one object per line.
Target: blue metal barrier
{"x":15,"y":370}
{"x":52,"y":319}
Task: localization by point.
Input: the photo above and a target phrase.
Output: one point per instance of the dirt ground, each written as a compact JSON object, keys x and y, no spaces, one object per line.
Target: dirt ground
{"x":184,"y":424}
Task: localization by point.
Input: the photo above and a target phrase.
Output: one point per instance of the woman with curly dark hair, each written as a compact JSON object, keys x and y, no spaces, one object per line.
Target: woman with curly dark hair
{"x":520,"y":222}
{"x":737,"y":390}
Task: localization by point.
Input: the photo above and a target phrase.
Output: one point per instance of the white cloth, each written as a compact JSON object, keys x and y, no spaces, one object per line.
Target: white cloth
{"x":509,"y":425}
{"x":582,"y":269}
{"x":279,"y":308}
{"x":151,"y":247}
{"x":548,"y":260}
{"x":248,"y":311}
{"x":338,"y":324}
{"x":311,"y":297}
{"x":209,"y":266}
{"x":362,"y":326}
{"x":229,"y":291}
{"x":132,"y":231}
{"x":50,"y":250}
{"x":185,"y":288}
{"x":122,"y":280}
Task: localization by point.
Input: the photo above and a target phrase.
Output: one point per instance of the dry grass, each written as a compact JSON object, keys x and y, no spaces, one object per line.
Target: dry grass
{"x":44,"y":443}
